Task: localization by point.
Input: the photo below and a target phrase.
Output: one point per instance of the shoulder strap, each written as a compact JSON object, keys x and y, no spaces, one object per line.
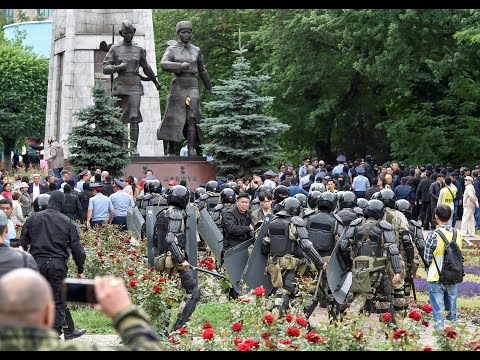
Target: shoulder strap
{"x":24,"y":256}
{"x":445,"y":241}
{"x":450,"y":192}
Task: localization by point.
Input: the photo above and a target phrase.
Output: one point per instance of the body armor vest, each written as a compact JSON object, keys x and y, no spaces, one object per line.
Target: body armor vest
{"x":347,"y":216}
{"x":255,"y":204}
{"x":369,"y":244}
{"x":158,"y":200}
{"x":161,"y":228}
{"x":321,"y":227}
{"x":212,"y":201}
{"x":280,"y":243}
{"x":218,"y":213}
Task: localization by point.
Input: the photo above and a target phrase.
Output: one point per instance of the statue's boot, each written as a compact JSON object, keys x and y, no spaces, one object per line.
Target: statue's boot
{"x":171,"y":148}
{"x":191,"y":137}
{"x":134,"y":130}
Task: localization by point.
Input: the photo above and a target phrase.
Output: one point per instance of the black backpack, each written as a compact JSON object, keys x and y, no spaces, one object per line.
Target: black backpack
{"x":452,"y":269}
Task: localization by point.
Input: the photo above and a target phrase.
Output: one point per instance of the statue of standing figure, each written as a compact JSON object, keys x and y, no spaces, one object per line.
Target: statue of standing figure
{"x":125,"y":58}
{"x":182,"y":113}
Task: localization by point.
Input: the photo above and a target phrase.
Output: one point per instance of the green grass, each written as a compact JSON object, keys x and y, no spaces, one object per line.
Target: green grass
{"x":92,"y":320}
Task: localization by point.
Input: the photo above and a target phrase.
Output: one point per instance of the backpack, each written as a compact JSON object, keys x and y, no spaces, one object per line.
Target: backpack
{"x":452,"y":270}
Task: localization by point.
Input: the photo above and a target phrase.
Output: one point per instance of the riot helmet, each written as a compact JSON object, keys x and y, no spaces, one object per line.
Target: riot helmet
{"x":228,"y":196}
{"x":155,"y":186}
{"x":388,"y":197}
{"x":404,"y":207}
{"x":280,"y":193}
{"x":41,"y":202}
{"x":264,"y":188}
{"x":312,"y":198}
{"x":317,"y":187}
{"x":179,"y":196}
{"x":199,"y":192}
{"x":302,"y":198}
{"x":212,"y":186}
{"x":291,"y":205}
{"x":374,"y":208}
{"x":347,"y":199}
{"x":327,"y":200}
{"x":375,"y":195}
{"x":361,"y":203}
{"x":147,"y":189}
{"x":232,"y":185}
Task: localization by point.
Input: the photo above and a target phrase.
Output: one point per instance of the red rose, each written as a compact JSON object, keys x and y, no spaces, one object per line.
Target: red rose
{"x":427,"y":349}
{"x":285,"y":342}
{"x":131,"y":273}
{"x":301,"y":321}
{"x":182,"y":331}
{"x":265,"y":335}
{"x":207,"y":325}
{"x":95,"y":244}
{"x":424,"y":323}
{"x":427,"y":308}
{"x":312,"y":336}
{"x":144,"y":277}
{"x":259,"y":291}
{"x":268,"y":319}
{"x":358,"y":335}
{"x":386,"y":317}
{"x":398,"y":333}
{"x":415,"y":315}
{"x":133,"y":283}
{"x":244,"y":347}
{"x":289,"y":318}
{"x":99,"y":253}
{"x":157,"y":288}
{"x":162,"y":280}
{"x":237,"y":326}
{"x":237,"y":340}
{"x":292,"y":331}
{"x":208,"y":334}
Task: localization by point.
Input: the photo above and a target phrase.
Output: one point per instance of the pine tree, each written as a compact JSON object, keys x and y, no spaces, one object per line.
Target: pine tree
{"x":244,"y":139}
{"x":98,"y":140}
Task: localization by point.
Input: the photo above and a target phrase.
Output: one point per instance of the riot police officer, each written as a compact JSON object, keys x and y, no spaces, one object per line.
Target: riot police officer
{"x":227,"y":200}
{"x":416,"y":236}
{"x":402,"y":237}
{"x":172,"y":257}
{"x":324,"y":228}
{"x":280,"y":193}
{"x":347,"y":201}
{"x":211,"y":198}
{"x":285,"y":244}
{"x":368,"y":246}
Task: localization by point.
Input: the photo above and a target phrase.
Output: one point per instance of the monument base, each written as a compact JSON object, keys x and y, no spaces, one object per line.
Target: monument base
{"x":195,"y":170}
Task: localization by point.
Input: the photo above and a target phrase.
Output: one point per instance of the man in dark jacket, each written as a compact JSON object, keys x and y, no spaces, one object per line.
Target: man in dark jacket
{"x":11,"y":258}
{"x":423,"y":198}
{"x":237,"y":226}
{"x":48,"y":235}
{"x":72,"y":207}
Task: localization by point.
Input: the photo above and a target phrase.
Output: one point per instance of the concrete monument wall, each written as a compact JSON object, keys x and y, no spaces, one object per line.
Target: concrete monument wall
{"x":76,"y":62}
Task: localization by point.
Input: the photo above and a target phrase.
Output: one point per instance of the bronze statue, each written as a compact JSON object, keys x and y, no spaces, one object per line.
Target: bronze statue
{"x":125,"y":58}
{"x":182,"y":113}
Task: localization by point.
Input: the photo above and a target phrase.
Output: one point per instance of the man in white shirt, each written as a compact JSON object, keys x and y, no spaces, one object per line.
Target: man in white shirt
{"x":7,"y":207}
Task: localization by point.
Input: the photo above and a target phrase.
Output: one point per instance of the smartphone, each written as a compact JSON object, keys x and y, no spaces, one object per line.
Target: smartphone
{"x":79,"y":291}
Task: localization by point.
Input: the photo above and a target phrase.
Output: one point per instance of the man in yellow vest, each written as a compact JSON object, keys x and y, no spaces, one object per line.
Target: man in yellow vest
{"x":447,"y":196}
{"x":443,"y":298}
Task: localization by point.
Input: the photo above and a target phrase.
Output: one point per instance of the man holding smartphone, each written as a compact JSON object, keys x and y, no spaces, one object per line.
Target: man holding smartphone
{"x":48,"y":235}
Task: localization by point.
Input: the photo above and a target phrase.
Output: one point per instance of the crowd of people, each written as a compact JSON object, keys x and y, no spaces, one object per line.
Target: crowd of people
{"x":313,"y":208}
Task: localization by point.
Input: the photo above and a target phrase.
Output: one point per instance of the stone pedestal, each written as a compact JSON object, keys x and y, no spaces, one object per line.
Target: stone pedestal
{"x":195,"y":170}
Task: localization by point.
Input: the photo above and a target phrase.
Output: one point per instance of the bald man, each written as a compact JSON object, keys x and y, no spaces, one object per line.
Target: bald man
{"x":27,"y":325}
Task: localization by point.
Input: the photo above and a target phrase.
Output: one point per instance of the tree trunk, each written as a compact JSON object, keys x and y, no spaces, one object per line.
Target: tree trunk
{"x":8,"y":145}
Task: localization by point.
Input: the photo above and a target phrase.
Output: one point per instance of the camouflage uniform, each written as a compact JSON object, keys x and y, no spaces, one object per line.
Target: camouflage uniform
{"x":400,"y":226}
{"x":133,"y":325}
{"x":416,"y":235}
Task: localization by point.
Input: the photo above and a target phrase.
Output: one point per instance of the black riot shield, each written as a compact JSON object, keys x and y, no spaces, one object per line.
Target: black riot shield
{"x":235,"y":260}
{"x":210,"y":233}
{"x":151,"y":219}
{"x":191,"y":237}
{"x":339,"y":276}
{"x":254,"y":273}
{"x":135,"y":222}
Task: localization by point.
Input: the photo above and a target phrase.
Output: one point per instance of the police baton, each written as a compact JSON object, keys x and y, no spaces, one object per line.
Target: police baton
{"x":208,"y":272}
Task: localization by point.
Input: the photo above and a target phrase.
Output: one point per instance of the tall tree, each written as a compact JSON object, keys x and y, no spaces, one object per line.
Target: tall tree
{"x":244,"y":139}
{"x":23,"y":96}
{"x":99,"y":139}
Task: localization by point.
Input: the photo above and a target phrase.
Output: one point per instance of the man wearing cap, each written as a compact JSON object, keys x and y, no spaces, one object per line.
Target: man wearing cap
{"x":182,"y":113}
{"x":121,"y":202}
{"x":125,"y":58}
{"x":171,"y":184}
{"x":100,"y":207}
{"x":341,"y":159}
{"x":35,"y":188}
{"x":360,"y":183}
{"x":237,"y":226}
{"x":269,"y":175}
{"x":84,"y":176}
{"x":25,"y":199}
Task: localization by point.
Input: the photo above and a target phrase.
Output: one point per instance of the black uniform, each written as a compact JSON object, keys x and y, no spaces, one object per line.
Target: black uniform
{"x":236,"y":227}
{"x":48,"y":235}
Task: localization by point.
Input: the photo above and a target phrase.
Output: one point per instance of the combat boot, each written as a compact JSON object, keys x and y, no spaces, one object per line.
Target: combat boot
{"x":69,"y":335}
